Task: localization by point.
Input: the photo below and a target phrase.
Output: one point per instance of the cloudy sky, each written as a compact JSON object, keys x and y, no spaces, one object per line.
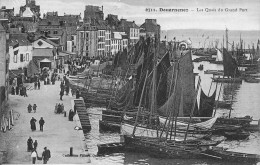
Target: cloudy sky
{"x":245,"y":16}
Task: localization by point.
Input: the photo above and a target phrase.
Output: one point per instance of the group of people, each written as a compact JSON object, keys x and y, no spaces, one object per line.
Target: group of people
{"x":19,"y":90}
{"x":64,"y":86}
{"x":59,"y":108}
{"x":37,"y":84}
{"x":32,"y":147}
{"x":33,"y":123}
{"x":30,"y":108}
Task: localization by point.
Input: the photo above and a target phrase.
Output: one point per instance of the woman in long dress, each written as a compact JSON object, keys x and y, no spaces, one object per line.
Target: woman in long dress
{"x":32,"y":122}
{"x":29,"y":144}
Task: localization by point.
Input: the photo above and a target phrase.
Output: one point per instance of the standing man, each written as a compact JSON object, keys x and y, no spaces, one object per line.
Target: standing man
{"x":61,"y":94}
{"x":46,"y":155}
{"x":32,"y":122}
{"x":35,"y":144}
{"x":39,"y":84}
{"x":24,"y":91}
{"x":41,"y":122}
{"x":34,"y":107}
{"x":35,"y":85}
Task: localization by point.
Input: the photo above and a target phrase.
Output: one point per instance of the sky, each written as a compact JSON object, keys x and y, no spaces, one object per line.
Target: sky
{"x":241,"y":14}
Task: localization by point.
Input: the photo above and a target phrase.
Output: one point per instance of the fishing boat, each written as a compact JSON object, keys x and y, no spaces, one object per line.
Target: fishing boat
{"x":219,"y":59}
{"x":168,"y":139}
{"x":109,"y":148}
{"x":215,"y":72}
{"x":231,"y":72}
{"x":169,"y":148}
{"x":197,"y":60}
{"x":222,"y":154}
{"x":252,"y":80}
{"x":237,"y":135}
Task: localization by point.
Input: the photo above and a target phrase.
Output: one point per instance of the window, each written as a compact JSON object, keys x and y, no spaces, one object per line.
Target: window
{"x":55,"y":32}
{"x":15,"y":58}
{"x":27,"y":56}
{"x":21,"y":58}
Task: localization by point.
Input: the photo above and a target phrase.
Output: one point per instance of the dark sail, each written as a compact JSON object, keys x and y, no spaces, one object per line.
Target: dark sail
{"x":162,"y":75}
{"x":206,"y":105}
{"x":185,"y":85}
{"x":230,"y":65}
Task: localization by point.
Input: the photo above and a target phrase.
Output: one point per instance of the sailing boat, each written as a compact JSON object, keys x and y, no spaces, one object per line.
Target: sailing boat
{"x":219,"y":59}
{"x":161,"y":143}
{"x":231,"y":72}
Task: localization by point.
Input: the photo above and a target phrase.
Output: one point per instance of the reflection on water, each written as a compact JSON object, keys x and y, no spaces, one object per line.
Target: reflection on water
{"x":246,"y":101}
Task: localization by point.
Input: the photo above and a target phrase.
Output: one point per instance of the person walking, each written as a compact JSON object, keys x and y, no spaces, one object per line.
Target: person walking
{"x":35,"y":144}
{"x":34,"y":156}
{"x":24,"y":91}
{"x":35,"y":85}
{"x":46,"y":154}
{"x":34,"y":107}
{"x":29,"y":144}
{"x":61,"y":94}
{"x":41,"y":122}
{"x":32,"y":122}
{"x":39,"y":85}
{"x":29,"y":108}
{"x":17,"y":90}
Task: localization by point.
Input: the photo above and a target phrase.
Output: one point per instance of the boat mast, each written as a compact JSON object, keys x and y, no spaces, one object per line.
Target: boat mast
{"x":139,"y":106}
{"x":227,"y":39}
{"x":154,"y":91}
{"x":193,"y":107}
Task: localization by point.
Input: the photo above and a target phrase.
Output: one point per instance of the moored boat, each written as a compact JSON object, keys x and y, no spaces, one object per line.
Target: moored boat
{"x":222,"y":154}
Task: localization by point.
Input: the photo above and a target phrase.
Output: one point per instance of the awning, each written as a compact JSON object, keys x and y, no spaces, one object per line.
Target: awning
{"x":45,"y":60}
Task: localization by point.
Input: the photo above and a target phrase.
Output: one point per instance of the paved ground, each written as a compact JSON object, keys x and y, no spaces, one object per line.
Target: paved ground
{"x":58,"y":135}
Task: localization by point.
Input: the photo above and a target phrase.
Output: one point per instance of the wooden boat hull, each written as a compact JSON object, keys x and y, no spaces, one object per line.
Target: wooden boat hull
{"x":110,"y":148}
{"x":223,"y":154}
{"x":216,"y":62}
{"x":227,"y":80}
{"x":252,"y":80}
{"x":242,"y":121}
{"x":109,"y":127}
{"x":127,"y":129}
{"x":167,"y":149}
{"x":236,"y":135}
{"x":215,"y":72}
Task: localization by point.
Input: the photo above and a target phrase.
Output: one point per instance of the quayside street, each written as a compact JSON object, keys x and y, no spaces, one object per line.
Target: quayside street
{"x":58,"y":132}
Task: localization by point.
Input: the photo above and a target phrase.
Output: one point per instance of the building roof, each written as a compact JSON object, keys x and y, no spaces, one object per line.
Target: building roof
{"x":150,"y":25}
{"x":129,"y":24}
{"x":42,"y":52}
{"x":47,"y":22}
{"x":48,"y":41}
{"x":19,"y":38}
{"x":87,"y":27}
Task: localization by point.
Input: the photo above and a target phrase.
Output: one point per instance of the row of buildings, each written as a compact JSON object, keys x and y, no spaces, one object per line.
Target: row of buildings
{"x":31,"y":41}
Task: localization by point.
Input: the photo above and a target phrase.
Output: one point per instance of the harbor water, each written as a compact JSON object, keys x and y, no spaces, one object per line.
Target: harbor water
{"x":246,"y":101}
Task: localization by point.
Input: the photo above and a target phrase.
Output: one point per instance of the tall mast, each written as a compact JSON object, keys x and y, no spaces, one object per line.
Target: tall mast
{"x":227,"y":39}
{"x":154,"y":91}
